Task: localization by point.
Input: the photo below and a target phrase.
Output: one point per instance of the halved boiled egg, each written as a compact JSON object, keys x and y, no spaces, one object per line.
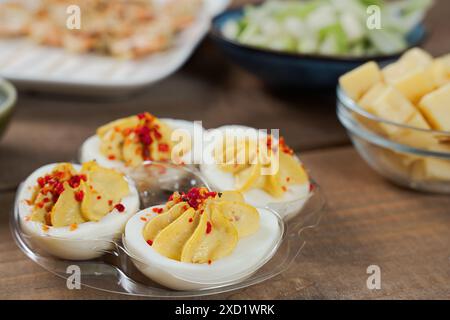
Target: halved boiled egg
{"x":263,"y":168}
{"x":75,"y":211}
{"x":126,"y":143}
{"x":202,"y":239}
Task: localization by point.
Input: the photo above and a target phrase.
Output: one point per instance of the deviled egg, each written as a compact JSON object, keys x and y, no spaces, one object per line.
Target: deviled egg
{"x":202,"y":239}
{"x":264,"y":168}
{"x":75,"y":211}
{"x":128,"y":142}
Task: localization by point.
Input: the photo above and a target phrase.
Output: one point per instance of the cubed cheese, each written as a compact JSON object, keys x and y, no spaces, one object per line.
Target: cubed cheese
{"x":356,"y":82}
{"x":373,"y":94}
{"x":415,"y":138}
{"x":415,"y":84}
{"x":393,"y":106}
{"x":409,"y":61}
{"x":416,"y":56}
{"x":431,"y":169}
{"x":435,"y":106}
{"x":446,"y":61}
{"x":438,"y":71}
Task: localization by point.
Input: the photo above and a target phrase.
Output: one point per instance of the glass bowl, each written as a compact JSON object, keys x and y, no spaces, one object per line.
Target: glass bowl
{"x":118,"y":271}
{"x":408,"y":156}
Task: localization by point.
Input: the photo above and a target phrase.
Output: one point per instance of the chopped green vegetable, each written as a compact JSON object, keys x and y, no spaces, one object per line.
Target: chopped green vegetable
{"x":329,"y":27}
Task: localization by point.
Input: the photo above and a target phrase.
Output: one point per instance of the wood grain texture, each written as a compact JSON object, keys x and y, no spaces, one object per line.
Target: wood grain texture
{"x":368,"y":221}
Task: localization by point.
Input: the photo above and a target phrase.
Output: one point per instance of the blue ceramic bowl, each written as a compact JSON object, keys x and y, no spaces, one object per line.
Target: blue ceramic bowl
{"x":291,"y":69}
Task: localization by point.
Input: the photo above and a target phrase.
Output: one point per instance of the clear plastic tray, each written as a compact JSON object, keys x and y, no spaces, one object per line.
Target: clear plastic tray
{"x":115,"y":270}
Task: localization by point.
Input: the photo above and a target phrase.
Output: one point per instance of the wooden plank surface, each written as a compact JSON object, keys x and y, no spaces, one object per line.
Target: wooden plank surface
{"x":369,"y":221}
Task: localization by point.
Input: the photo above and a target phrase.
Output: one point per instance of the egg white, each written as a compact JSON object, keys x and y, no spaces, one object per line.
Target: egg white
{"x":90,"y":150}
{"x":287,"y":206}
{"x":249,"y":255}
{"x":90,"y":239}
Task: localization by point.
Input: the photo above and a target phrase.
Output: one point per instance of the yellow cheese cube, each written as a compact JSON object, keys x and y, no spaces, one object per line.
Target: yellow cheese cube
{"x":438,"y":71}
{"x":356,"y":82}
{"x":415,"y":84}
{"x":418,"y":56}
{"x":410,"y":60}
{"x":431,"y":169}
{"x":435,"y":106}
{"x":373,"y":94}
{"x":446,"y":61}
{"x":392,"y":106}
{"x":415,"y":138}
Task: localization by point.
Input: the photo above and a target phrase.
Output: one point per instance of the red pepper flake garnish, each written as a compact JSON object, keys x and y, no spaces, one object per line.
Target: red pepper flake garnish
{"x":73,"y":227}
{"x":45,"y":200}
{"x":269,"y":142}
{"x":209,"y":261}
{"x":311,"y":187}
{"x":196,"y":196}
{"x":185,"y":207}
{"x":211,"y":194}
{"x":79,"y":195}
{"x":157,"y":210}
{"x":288,"y":179}
{"x":112,"y":157}
{"x":190,"y":219}
{"x":144,"y":219}
{"x":163,"y":147}
{"x":58,"y":189}
{"x":110,"y":202}
{"x":120,"y":207}
{"x":284,"y":147}
{"x":75,"y":181}
{"x":157,"y":134}
{"x":208,"y":227}
{"x":284,"y":188}
{"x":41,"y":182}
{"x":141,"y":116}
{"x":99,"y":197}
{"x":150,"y":242}
{"x":40,"y":205}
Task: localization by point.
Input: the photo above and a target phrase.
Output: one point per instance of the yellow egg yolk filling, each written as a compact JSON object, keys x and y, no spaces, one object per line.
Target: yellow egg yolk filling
{"x":66,"y":197}
{"x":201,"y":226}
{"x":264,"y":165}
{"x":136,"y":139}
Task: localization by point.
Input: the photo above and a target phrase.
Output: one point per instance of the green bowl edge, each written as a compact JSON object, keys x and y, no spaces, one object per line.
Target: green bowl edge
{"x":7,"y":107}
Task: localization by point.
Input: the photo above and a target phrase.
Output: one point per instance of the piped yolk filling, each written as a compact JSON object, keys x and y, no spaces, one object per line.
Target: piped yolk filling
{"x":200,"y":226}
{"x":136,"y":139}
{"x":266,"y":165}
{"x":65,"y":197}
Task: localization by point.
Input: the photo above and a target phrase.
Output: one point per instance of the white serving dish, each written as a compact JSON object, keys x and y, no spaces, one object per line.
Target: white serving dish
{"x":42,"y":68}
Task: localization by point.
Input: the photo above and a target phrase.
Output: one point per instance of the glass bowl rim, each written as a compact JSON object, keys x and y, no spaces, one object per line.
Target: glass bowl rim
{"x":355,"y":128}
{"x":355,"y":107}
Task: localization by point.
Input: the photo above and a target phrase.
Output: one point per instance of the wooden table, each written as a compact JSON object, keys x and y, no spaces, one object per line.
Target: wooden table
{"x":368,"y":221}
